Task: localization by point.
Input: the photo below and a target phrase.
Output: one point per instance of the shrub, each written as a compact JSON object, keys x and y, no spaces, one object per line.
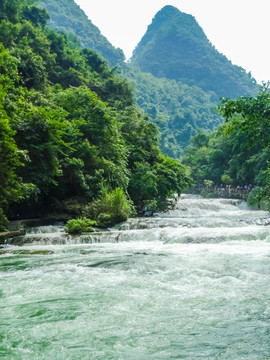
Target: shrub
{"x":77,"y":226}
{"x":111,"y":208}
{"x":105,"y":220}
{"x":226,"y":179}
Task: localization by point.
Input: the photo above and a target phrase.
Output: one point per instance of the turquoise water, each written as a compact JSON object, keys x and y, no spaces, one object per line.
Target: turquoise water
{"x":189,"y":284}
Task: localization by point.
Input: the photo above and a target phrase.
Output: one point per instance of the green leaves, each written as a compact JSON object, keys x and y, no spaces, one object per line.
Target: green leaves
{"x":69,"y":129}
{"x":237,"y":154}
{"x":249,"y":115}
{"x":11,"y":186}
{"x":177,"y":109}
{"x":82,"y":27}
{"x":10,"y":10}
{"x":160,"y":182}
{"x":79,"y":225}
{"x":112,"y":207}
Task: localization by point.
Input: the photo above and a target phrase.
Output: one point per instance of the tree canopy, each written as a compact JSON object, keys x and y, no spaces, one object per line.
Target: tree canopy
{"x":66,"y":16}
{"x":177,"y":109}
{"x":177,"y":74}
{"x":69,"y":126}
{"x":239,"y":149}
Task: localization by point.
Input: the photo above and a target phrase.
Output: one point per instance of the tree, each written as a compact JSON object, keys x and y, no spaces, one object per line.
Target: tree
{"x":11,"y":188}
{"x":10,"y":9}
{"x":172,"y":178}
{"x":36,"y":15}
{"x":250,"y":115}
{"x":75,"y":123}
{"x":226,"y":179}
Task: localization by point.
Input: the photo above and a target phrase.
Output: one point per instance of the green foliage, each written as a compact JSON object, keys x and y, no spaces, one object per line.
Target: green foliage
{"x":100,"y":129}
{"x":208,"y":183}
{"x":255,"y":194}
{"x":160,"y":182}
{"x":111,"y":207}
{"x":220,"y":155}
{"x":172,"y":179}
{"x":250,"y":115}
{"x":11,"y":158}
{"x":237,"y":154}
{"x":71,"y":122}
{"x":176,"y":108}
{"x":226,"y":179}
{"x":10,"y":189}
{"x":35,"y":15}
{"x":143,"y":184}
{"x":80,"y":225}
{"x":175,"y":47}
{"x":66,"y":16}
{"x":10,"y":9}
{"x":259,"y":197}
{"x":189,"y":73}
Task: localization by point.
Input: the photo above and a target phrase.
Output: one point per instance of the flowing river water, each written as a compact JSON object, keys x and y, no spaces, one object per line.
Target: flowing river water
{"x":193,"y":283}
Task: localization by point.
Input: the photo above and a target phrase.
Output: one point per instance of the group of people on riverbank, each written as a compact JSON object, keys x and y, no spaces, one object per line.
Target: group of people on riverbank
{"x":240,"y":191}
{"x":227,"y":190}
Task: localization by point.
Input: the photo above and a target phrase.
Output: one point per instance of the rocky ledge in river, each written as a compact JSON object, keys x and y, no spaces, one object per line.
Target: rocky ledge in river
{"x":10,"y":234}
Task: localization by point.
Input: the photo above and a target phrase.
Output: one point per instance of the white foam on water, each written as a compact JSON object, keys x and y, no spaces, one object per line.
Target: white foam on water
{"x":169,"y":287}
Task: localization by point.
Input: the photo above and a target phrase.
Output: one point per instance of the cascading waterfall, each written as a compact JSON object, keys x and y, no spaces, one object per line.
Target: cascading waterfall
{"x":192,"y":283}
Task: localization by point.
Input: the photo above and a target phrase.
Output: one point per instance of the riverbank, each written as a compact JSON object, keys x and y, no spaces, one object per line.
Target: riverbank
{"x":227,"y":192}
{"x":19,"y":227}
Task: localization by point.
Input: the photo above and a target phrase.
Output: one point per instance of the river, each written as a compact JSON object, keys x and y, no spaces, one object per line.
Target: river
{"x":193,"y":283}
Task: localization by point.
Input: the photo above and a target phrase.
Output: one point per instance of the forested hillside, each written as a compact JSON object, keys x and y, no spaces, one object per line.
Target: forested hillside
{"x":236,"y":155}
{"x":177,"y":109}
{"x":71,"y":137}
{"x":175,"y":47}
{"x":66,"y":16}
{"x":189,"y":78}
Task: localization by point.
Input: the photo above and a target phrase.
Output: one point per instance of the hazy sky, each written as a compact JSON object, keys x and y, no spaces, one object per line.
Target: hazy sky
{"x":238,"y":28}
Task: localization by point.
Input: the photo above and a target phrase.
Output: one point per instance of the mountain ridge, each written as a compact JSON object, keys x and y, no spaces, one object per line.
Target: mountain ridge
{"x":178,"y":107}
{"x":68,"y":17}
{"x":176,"y":47}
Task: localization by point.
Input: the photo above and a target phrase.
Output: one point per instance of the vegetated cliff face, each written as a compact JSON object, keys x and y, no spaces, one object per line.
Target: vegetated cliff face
{"x":67,"y":16}
{"x":176,"y":47}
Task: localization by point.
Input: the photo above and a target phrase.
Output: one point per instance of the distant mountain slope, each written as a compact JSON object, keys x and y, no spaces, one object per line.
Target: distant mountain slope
{"x":67,"y":16}
{"x":177,"y":109}
{"x":176,"y":47}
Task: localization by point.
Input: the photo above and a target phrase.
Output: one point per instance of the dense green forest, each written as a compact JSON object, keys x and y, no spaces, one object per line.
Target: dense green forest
{"x":237,"y":154}
{"x":71,"y":138}
{"x":180,"y":101}
{"x":73,"y":141}
{"x":66,"y":16}
{"x":177,"y":109}
{"x":175,"y":47}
